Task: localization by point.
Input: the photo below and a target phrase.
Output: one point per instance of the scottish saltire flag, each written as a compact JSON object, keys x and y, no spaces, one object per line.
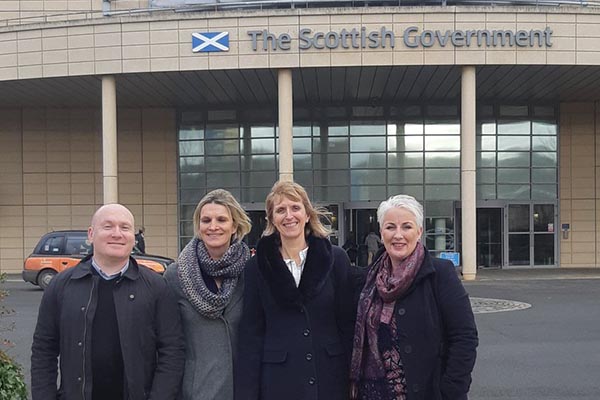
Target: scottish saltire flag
{"x":210,"y":41}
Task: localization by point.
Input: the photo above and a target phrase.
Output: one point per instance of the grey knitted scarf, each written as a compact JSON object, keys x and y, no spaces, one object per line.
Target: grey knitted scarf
{"x":229,"y":267}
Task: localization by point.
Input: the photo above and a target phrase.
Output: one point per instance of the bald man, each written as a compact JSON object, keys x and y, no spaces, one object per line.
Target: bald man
{"x":114,"y":326}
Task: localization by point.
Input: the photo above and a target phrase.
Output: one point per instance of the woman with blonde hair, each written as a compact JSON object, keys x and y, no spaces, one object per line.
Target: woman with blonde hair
{"x":296,"y":330}
{"x":208,"y":282}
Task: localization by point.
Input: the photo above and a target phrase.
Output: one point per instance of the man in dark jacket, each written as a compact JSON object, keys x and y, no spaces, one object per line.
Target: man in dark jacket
{"x":114,"y":325}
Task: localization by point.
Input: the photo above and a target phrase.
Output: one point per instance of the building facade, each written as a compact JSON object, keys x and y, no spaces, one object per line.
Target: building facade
{"x":486,"y":114}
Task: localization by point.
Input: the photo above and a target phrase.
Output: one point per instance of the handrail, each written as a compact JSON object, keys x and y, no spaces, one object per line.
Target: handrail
{"x":178,"y":6}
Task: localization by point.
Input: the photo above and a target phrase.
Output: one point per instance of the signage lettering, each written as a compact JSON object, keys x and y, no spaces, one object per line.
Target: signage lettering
{"x":361,"y":38}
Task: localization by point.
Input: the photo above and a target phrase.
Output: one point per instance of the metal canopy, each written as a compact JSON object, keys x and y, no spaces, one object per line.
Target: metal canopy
{"x":312,"y":86}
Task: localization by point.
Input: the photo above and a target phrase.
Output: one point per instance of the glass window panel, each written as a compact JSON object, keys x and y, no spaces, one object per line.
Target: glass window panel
{"x":513,"y":159}
{"x":364,"y":193}
{"x":192,"y":180}
{"x":331,"y":177}
{"x":261,"y":146}
{"x":518,"y":218}
{"x":442,"y":192}
{"x":191,"y":164}
{"x":433,"y":175}
{"x":400,"y":160}
{"x":486,"y":175}
{"x":183,"y":241}
{"x":302,"y":161}
{"x":405,"y":143}
{"x":262,"y":131}
{"x":191,"y":117}
{"x":404,"y":110}
{"x":305,"y":178}
{"x":441,"y":110}
{"x":222,"y":131}
{"x":221,"y":115}
{"x":331,"y":193}
{"x":187,"y":228}
{"x":543,"y":218}
{"x":367,"y":111}
{"x":186,"y":212}
{"x":543,"y":175}
{"x":514,"y":128}
{"x":442,"y":129}
{"x":513,"y":192}
{"x":544,"y":128}
{"x":411,"y":190}
{"x":258,"y":163}
{"x":518,"y":249}
{"x":368,"y":160}
{"x":440,"y":209}
{"x":331,"y":145}
{"x":405,"y":176}
{"x":367,"y":128}
{"x":367,"y":143}
{"x":191,"y":196}
{"x":410,"y":129}
{"x":543,"y":111}
{"x":302,"y":130}
{"x":486,"y":159}
{"x":366,"y":177}
{"x":513,"y":175}
{"x":330,"y":161}
{"x":223,"y":179}
{"x":442,"y":159}
{"x":191,"y":133}
{"x":513,"y":111}
{"x":543,"y":159}
{"x":544,"y":143}
{"x":218,"y":147}
{"x":255,"y":194}
{"x":486,"y":192}
{"x":487,"y":128}
{"x":223,"y":163}
{"x":513,"y":142}
{"x":433,"y":143}
{"x":543,"y":249}
{"x":486,"y":143}
{"x":337,"y":130}
{"x":262,"y":179}
{"x":302,"y":145}
{"x":192,"y":148}
{"x":544,"y":192}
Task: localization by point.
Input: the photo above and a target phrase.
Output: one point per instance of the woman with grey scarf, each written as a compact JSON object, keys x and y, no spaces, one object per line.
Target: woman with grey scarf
{"x":208,"y":282}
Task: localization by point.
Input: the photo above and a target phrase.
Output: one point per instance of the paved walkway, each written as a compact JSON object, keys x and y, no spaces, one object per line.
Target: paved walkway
{"x":493,"y":274}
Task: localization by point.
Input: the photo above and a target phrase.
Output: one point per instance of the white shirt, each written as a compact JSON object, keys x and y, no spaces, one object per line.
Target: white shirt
{"x":296,"y":270}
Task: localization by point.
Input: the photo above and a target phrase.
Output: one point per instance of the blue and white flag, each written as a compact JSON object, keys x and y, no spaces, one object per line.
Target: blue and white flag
{"x":210,"y":41}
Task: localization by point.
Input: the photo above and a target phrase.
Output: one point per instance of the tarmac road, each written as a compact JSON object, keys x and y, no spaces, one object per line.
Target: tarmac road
{"x":550,"y":351}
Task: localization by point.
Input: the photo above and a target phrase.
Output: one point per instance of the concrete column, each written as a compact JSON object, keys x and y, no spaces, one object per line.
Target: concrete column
{"x":468,"y":195}
{"x":285,"y":103}
{"x":110,"y":181}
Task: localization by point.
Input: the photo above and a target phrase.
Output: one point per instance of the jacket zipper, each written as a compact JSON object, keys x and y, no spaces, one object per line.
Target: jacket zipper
{"x":85,"y":326}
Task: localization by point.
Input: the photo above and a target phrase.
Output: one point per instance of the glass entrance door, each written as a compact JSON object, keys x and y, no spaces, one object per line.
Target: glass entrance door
{"x":531,"y":234}
{"x":489,"y":237}
{"x":358,"y":224}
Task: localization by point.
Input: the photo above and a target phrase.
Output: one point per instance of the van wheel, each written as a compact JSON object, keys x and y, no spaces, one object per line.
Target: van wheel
{"x":45,"y":277}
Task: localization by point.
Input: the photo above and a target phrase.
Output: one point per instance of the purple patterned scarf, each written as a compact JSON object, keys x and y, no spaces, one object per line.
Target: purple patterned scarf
{"x":384,"y":285}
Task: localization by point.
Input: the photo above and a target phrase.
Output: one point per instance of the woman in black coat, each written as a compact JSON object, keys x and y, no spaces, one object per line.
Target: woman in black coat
{"x":415,"y":332}
{"x":296,"y":331}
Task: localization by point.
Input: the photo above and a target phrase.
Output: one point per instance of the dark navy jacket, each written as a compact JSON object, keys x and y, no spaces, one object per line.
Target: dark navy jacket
{"x":437,"y":334}
{"x":295,"y":342}
{"x":149,"y":329}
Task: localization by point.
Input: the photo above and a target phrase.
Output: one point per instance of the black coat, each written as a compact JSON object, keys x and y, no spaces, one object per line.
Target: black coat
{"x":437,"y":334}
{"x":295,"y":342}
{"x":149,"y":330}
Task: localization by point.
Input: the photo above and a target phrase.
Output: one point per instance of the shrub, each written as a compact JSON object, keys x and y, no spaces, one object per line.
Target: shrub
{"x":12,"y":383}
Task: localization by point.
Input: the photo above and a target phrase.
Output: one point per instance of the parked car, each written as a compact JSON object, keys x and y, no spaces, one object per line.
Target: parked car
{"x":59,"y":250}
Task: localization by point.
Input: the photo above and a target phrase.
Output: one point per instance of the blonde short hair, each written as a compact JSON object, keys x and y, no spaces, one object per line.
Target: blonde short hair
{"x":226,"y":199}
{"x":296,"y":192}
